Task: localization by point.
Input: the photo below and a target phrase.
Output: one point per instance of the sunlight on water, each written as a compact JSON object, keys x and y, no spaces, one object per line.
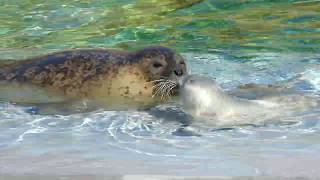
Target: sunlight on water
{"x":235,"y":42}
{"x":195,"y":25}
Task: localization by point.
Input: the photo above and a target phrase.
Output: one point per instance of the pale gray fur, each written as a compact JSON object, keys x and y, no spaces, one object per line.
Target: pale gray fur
{"x":203,"y":98}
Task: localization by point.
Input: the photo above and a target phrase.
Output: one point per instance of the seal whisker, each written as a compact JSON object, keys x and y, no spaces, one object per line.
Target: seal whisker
{"x":172,"y":84}
{"x":170,"y":87}
{"x":158,"y":82}
{"x":158,"y":89}
{"x":157,"y":85}
{"x":162,"y":90}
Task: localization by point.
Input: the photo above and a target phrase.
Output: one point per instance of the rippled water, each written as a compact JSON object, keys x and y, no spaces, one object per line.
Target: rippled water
{"x":264,"y":42}
{"x":197,"y":25}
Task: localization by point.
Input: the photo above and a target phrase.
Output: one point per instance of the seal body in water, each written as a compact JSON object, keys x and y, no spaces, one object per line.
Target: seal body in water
{"x":203,"y":98}
{"x":109,"y":77}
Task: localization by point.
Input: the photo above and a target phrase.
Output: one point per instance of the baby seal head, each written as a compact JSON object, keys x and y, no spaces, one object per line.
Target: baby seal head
{"x":198,"y":93}
{"x":164,"y":68}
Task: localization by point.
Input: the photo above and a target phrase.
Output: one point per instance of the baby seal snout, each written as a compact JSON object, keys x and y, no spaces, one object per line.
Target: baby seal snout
{"x":199,"y":94}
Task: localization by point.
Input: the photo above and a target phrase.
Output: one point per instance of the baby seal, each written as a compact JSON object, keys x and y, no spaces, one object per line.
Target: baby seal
{"x":203,"y":98}
{"x":106,"y":76}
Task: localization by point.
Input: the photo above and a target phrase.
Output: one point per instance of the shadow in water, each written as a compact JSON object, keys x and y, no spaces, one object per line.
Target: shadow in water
{"x":175,"y":114}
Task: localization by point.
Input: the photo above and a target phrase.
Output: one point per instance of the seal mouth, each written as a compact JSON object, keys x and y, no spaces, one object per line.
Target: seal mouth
{"x":175,"y":90}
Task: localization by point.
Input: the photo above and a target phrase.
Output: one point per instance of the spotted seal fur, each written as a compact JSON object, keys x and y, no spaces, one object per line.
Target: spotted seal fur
{"x":106,"y":76}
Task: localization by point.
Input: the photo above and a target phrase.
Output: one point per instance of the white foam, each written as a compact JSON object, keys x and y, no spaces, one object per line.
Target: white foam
{"x":36,"y":130}
{"x":313,"y":76}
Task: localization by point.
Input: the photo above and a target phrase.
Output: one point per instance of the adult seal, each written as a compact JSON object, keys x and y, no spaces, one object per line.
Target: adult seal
{"x":109,"y":77}
{"x":203,"y":98}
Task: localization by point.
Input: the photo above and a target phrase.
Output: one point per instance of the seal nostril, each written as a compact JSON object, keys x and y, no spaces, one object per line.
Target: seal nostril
{"x":178,"y":72}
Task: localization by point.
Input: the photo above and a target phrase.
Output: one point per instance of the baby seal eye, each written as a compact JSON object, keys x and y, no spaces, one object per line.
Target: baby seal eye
{"x":157,"y":65}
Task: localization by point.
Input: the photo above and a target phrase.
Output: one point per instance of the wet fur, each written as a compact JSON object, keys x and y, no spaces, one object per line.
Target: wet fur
{"x":100,"y":74}
{"x":204,"y":99}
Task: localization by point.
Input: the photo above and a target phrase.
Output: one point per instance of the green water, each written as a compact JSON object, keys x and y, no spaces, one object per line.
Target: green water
{"x":236,"y":42}
{"x":185,"y":25}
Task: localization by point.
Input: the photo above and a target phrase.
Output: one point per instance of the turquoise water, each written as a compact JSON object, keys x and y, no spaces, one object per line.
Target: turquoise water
{"x":263,"y":42}
{"x":189,"y":25}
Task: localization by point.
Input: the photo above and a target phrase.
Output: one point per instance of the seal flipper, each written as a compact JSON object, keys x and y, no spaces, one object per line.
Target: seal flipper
{"x":65,"y":108}
{"x":42,"y":101}
{"x":3,"y":65}
{"x":258,"y":91}
{"x":26,"y":93}
{"x":7,"y":63}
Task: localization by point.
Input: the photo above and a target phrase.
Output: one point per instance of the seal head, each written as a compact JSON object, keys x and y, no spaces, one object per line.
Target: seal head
{"x":162,"y":63}
{"x":201,"y":94}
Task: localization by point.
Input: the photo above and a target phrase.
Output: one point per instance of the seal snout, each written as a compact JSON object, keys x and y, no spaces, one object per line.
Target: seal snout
{"x":187,"y":80}
{"x":178,"y":72}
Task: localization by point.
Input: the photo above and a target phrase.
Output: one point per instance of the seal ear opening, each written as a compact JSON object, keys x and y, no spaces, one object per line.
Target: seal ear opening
{"x":6,"y":63}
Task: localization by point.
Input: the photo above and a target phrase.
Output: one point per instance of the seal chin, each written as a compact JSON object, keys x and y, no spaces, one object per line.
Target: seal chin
{"x":175,"y":91}
{"x":182,"y":79}
{"x":179,"y":81}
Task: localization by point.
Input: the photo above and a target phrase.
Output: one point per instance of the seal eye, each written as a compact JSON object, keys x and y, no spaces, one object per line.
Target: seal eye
{"x":157,"y":65}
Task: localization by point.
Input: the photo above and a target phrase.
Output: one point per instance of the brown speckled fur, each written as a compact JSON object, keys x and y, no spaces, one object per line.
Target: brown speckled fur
{"x":93,"y":73}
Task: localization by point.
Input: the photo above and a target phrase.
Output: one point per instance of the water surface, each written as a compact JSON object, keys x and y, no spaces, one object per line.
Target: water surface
{"x":264,"y":42}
